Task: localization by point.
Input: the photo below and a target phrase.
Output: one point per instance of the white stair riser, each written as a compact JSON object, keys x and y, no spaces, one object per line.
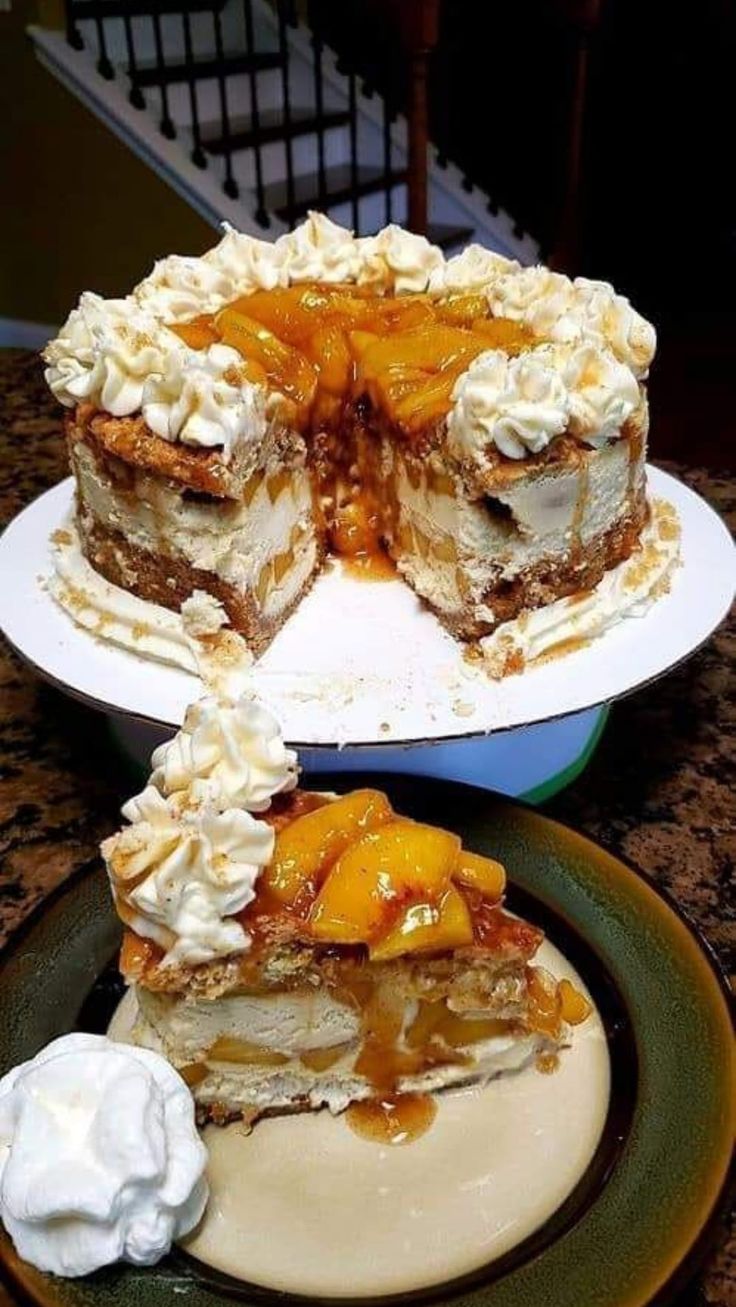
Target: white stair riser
{"x":172,"y":35}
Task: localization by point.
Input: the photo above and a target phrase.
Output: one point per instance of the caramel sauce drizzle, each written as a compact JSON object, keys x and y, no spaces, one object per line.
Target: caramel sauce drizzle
{"x":393,"y":1119}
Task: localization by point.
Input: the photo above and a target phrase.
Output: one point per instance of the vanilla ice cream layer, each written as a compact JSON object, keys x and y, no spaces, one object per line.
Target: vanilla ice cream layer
{"x":526,"y":523}
{"x":231,"y":539}
{"x":292,"y":1025}
{"x":288,"y":1023}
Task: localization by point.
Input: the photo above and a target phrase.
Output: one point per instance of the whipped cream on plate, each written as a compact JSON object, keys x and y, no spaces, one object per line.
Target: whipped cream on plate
{"x":100,"y":1160}
{"x":196,"y":639}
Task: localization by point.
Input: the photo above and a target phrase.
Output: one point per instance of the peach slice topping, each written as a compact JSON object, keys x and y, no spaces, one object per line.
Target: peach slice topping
{"x":482,"y":874}
{"x":428,"y":928}
{"x":387,"y":868}
{"x":307,"y":847}
{"x":320,"y":344}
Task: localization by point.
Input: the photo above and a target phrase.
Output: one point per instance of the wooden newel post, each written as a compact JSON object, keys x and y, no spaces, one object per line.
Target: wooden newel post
{"x":584,"y":17}
{"x":420,"y":23}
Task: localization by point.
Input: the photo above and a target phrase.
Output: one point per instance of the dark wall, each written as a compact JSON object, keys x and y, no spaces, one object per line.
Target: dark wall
{"x":659,"y":131}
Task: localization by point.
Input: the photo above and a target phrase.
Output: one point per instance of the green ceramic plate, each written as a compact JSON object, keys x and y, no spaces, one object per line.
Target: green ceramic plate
{"x":633,"y":1229}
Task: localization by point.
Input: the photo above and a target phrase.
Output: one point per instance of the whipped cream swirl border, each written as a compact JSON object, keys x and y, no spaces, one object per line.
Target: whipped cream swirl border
{"x":121,"y":355}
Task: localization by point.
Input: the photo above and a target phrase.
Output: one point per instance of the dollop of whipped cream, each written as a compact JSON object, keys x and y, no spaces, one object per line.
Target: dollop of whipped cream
{"x":250,"y":264}
{"x":182,"y":869}
{"x":603,"y":392}
{"x":476,"y":269}
{"x":520,"y":404}
{"x":180,"y":287}
{"x":105,"y":353}
{"x":100,"y":1160}
{"x":235,"y":751}
{"x":203,"y":397}
{"x":570,"y":312}
{"x":191,"y":856}
{"x":611,"y":316}
{"x":517,"y":404}
{"x":397,"y":260}
{"x":319,"y":250}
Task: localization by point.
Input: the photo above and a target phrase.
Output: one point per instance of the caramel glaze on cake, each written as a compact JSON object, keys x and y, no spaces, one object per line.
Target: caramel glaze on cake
{"x":381,"y":427}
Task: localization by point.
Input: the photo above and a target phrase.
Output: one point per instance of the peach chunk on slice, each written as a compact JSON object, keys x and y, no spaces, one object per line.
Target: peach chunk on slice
{"x":428,"y":928}
{"x":366,"y":889}
{"x":328,"y":351}
{"x":482,"y":874}
{"x":198,"y":333}
{"x":310,"y":844}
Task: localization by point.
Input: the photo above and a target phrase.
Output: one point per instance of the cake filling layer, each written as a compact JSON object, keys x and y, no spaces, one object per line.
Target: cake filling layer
{"x":233,"y":539}
{"x":457,"y":551}
{"x":305,"y":1052}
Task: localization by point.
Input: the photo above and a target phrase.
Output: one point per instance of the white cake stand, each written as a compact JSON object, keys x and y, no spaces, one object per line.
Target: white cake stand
{"x":364,"y":669}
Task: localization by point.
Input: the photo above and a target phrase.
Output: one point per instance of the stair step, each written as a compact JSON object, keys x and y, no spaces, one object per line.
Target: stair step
{"x":271,"y":127}
{"x":338,"y":189}
{"x":447,"y":236}
{"x":149,"y":74}
{"x":84,"y":9}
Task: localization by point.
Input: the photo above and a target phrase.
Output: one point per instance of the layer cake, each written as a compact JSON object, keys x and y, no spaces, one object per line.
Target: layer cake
{"x":240,"y":416}
{"x":292,"y":950}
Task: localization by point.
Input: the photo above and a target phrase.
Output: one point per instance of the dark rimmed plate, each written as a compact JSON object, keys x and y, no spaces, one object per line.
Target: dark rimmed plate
{"x":640,"y":1219}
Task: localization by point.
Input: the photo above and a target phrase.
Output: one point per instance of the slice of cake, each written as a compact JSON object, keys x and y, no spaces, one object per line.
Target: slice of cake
{"x":292,"y":950}
{"x":239,"y":415}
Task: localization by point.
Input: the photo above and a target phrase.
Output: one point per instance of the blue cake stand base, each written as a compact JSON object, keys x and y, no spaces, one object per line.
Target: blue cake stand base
{"x":530,"y":762}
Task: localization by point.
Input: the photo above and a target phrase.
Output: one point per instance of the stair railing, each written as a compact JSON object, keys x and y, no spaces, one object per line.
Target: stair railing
{"x":198,"y":156}
{"x":261,"y":213}
{"x":416,"y":26}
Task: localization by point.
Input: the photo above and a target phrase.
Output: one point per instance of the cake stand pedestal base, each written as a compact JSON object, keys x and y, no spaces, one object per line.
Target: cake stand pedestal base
{"x":529,"y":762}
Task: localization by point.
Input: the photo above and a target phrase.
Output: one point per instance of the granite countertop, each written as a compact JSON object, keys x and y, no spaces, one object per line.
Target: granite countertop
{"x":659,"y":790}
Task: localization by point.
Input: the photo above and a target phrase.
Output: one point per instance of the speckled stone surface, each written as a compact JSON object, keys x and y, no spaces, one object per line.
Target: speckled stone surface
{"x":659,"y":791}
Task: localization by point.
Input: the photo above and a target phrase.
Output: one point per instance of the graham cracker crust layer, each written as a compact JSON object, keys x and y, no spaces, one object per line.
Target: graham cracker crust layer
{"x":163,"y":579}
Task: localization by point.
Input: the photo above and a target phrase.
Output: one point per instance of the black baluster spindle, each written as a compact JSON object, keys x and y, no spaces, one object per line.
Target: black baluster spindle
{"x":387,"y":159}
{"x":73,"y":35}
{"x":167,"y":126}
{"x":261,"y":214}
{"x":104,"y":67}
{"x":135,"y":96}
{"x":199,"y":158}
{"x":314,"y":19}
{"x":353,"y":130}
{"x":285,"y":13}
{"x":230,"y":186}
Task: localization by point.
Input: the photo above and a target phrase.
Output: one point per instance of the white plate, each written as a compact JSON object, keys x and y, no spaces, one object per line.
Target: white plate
{"x":363,"y":662}
{"x":497,"y":1162}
